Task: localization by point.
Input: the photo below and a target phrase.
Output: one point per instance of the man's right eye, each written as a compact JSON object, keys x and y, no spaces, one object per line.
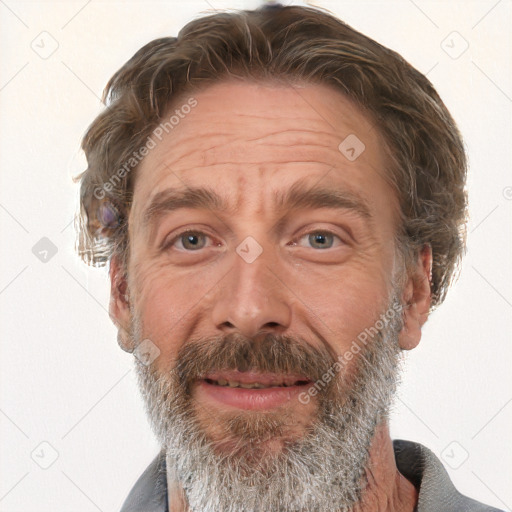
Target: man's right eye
{"x":189,"y":240}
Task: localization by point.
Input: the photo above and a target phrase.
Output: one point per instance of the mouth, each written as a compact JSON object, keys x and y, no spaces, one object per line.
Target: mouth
{"x":251,"y":390}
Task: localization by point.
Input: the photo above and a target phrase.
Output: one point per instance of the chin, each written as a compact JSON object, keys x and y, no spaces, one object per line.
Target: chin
{"x":253,"y":436}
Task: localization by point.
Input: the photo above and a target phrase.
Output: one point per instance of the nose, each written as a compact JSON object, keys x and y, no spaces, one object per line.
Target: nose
{"x":252,"y":298}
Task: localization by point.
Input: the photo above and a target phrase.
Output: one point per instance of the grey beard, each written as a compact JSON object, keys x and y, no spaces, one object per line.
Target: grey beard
{"x":322,"y":471}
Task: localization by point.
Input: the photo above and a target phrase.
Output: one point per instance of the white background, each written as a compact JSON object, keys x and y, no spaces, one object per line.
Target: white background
{"x":63,"y":378}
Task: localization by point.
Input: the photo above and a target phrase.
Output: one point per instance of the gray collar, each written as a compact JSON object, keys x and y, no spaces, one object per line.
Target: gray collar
{"x":149,"y":494}
{"x":417,"y":463}
{"x":426,"y":472}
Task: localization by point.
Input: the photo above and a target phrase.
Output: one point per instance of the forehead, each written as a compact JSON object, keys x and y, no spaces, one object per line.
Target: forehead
{"x":247,"y":138}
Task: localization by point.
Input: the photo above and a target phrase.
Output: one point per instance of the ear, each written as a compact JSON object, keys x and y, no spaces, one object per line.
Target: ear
{"x":417,"y":298}
{"x":119,"y":307}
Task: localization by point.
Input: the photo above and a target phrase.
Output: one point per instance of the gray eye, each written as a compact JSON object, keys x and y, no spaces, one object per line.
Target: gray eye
{"x":193,"y":241}
{"x":320,"y":240}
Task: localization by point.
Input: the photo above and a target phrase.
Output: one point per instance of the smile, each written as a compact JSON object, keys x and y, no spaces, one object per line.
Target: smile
{"x":250,"y":391}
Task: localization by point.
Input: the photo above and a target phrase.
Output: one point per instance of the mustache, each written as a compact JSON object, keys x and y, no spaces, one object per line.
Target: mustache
{"x":267,"y":353}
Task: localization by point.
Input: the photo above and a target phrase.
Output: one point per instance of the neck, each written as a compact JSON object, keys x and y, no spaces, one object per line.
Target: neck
{"x":387,"y":489}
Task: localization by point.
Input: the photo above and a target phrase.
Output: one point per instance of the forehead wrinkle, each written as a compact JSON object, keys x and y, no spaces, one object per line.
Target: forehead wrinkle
{"x":263,"y":165}
{"x":258,"y":154}
{"x":295,"y":154}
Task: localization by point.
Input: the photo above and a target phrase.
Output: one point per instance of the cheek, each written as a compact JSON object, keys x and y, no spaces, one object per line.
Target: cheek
{"x":167,"y":303}
{"x":344,"y":302}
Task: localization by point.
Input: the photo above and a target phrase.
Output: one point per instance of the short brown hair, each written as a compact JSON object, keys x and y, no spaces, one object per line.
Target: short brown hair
{"x":289,"y":45}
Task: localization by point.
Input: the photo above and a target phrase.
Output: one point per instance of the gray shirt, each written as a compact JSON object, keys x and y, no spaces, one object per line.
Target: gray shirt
{"x":417,"y":463}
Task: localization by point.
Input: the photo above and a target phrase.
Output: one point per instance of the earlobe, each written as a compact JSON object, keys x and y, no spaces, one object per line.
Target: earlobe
{"x":125,"y":340}
{"x":119,"y":307}
{"x":410,"y":334}
{"x":417,"y":298}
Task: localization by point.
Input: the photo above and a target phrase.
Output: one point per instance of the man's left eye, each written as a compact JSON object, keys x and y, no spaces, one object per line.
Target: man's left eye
{"x":321,"y":239}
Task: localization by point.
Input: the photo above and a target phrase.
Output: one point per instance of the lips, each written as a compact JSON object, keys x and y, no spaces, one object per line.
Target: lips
{"x":250,"y":390}
{"x":250,"y":385}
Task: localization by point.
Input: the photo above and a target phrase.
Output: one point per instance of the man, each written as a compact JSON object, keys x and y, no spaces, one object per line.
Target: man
{"x":281,"y":203}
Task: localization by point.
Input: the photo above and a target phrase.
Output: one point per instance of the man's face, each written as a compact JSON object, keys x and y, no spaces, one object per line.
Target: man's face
{"x":251,"y":144}
{"x":273,"y":282}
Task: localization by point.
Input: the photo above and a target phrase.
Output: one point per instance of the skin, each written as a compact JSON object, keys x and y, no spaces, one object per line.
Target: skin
{"x":246,"y":141}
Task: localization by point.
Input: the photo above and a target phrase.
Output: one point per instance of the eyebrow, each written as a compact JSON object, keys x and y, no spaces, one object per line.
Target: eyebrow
{"x":299,"y":196}
{"x":173,"y":199}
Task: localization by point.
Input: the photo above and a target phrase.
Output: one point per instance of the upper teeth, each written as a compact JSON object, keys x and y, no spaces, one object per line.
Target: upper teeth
{"x":252,"y":385}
